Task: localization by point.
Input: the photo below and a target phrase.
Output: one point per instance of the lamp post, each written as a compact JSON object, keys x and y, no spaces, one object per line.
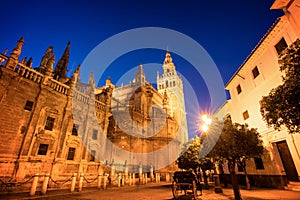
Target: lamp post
{"x":206,"y":121}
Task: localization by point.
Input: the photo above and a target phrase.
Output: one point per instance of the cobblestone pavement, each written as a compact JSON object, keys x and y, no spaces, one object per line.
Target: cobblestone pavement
{"x":161,"y":191}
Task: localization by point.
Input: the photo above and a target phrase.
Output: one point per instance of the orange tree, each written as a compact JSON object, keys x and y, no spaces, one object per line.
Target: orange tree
{"x":281,"y":107}
{"x":237,"y":144}
{"x":189,"y":159}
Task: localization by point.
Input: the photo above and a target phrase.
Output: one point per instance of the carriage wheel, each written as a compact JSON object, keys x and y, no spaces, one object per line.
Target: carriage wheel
{"x":175,"y":189}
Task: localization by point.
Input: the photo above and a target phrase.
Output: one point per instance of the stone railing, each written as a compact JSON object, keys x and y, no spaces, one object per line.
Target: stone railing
{"x":81,"y":96}
{"x":29,"y":73}
{"x":58,"y":86}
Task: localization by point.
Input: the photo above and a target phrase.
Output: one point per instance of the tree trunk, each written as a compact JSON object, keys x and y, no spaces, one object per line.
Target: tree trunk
{"x":235,"y":185}
{"x":206,"y":186}
{"x":247,"y":179}
{"x":199,"y":177}
{"x":222,"y":175}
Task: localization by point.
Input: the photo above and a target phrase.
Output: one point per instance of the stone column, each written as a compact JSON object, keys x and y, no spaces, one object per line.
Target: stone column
{"x":34,"y":184}
{"x":73,"y":183}
{"x":80,"y":182}
{"x":45,"y":184}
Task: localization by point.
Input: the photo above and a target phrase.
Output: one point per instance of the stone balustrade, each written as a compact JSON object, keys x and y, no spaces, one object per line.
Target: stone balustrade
{"x":81,"y":97}
{"x":58,"y":86}
{"x":29,"y":73}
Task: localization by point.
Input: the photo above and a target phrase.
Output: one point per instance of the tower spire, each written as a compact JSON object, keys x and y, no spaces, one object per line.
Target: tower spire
{"x":60,"y":72}
{"x":140,"y":75}
{"x":46,"y":65}
{"x":168,"y":58}
{"x":15,"y":54}
{"x":91,"y":79}
{"x":77,"y":72}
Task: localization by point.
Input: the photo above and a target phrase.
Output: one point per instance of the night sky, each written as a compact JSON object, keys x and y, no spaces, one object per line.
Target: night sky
{"x":227,"y":30}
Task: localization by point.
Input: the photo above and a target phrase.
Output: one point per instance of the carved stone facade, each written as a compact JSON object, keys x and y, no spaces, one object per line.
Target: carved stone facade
{"x":50,"y":123}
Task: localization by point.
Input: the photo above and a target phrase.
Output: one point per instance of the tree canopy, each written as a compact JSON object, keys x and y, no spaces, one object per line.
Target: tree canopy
{"x":281,"y":107}
{"x":190,"y":160}
{"x":190,"y":157}
{"x":237,"y":143}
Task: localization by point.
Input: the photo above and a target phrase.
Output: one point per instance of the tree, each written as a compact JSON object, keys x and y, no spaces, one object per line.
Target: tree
{"x":190,"y":160}
{"x":237,"y":144}
{"x":281,"y":107}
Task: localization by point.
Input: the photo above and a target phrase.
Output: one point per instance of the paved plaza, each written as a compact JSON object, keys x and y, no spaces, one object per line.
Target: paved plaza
{"x":161,"y":191}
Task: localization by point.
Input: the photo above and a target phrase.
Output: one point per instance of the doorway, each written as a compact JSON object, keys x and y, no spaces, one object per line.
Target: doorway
{"x":287,"y":161}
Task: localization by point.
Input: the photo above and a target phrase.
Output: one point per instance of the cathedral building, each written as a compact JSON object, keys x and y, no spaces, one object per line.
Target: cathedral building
{"x":51,"y":123}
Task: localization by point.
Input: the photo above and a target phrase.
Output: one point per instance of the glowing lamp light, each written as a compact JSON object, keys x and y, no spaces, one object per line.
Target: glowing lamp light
{"x":206,"y":119}
{"x":204,"y":127}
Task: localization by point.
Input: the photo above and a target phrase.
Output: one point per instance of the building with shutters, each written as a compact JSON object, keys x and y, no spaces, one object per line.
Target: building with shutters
{"x":255,"y":78}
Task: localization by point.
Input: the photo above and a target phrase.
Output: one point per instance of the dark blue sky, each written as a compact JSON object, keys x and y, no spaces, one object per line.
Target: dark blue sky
{"x":228,"y":30}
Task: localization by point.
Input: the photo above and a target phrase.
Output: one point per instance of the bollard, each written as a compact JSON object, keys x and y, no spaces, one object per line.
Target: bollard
{"x":126,"y":175}
{"x":73,"y":183}
{"x":218,"y":187}
{"x":130,"y":179}
{"x":126,"y":172}
{"x":34,"y":184}
{"x":156,"y":178}
{"x":80,"y":182}
{"x":167,"y":177}
{"x":45,"y":184}
{"x":145,"y":178}
{"x":119,"y":180}
{"x":141,"y":174}
{"x":99,"y":181}
{"x":123,"y":180}
{"x":151,"y":173}
{"x":105,"y":181}
{"x":133,"y":179}
{"x":159,"y":177}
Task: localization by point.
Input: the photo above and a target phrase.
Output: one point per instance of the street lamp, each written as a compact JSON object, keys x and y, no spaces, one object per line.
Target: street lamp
{"x":206,"y":121}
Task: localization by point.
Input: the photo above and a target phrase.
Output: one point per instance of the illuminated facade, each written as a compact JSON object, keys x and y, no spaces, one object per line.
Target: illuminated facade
{"x":254,"y":79}
{"x":54,"y":124}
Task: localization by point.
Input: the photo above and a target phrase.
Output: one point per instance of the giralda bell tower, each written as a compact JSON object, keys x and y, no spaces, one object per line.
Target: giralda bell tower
{"x":171,"y":85}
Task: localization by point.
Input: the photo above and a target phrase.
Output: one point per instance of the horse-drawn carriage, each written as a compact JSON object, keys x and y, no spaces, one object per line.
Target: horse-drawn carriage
{"x":187,"y":182}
